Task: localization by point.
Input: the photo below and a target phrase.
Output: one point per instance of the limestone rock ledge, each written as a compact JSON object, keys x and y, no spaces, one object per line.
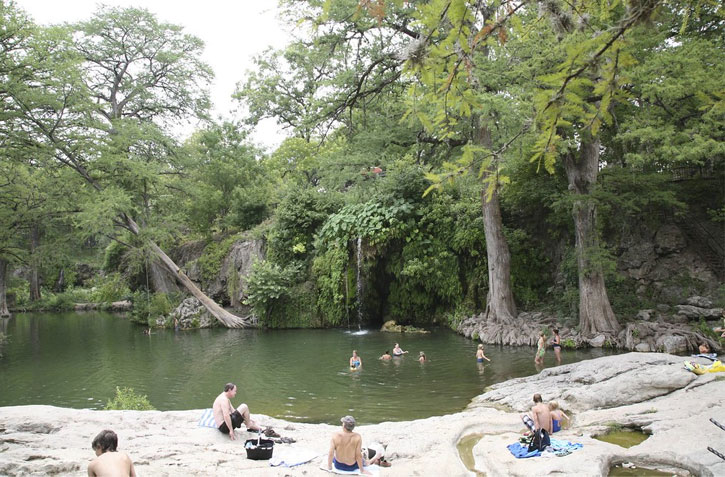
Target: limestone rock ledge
{"x":650,"y":391}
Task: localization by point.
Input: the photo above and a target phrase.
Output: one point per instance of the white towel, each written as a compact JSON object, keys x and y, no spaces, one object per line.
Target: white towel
{"x":291,"y":456}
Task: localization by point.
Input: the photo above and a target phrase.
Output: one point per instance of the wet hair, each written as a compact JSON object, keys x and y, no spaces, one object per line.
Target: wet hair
{"x":229,"y":387}
{"x":537,"y":397}
{"x":354,"y":351}
{"x":553,"y":405}
{"x":387,"y":352}
{"x":106,"y":440}
{"x":556,"y":331}
{"x":422,"y":354}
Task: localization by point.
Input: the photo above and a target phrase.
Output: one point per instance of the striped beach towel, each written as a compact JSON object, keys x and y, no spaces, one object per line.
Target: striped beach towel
{"x":207,"y":419}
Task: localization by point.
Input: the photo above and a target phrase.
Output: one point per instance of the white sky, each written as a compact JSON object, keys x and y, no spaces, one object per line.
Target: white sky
{"x":233,"y":32}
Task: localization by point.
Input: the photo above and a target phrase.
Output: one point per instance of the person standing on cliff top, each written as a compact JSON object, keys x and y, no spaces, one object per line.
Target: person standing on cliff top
{"x":109,"y":462}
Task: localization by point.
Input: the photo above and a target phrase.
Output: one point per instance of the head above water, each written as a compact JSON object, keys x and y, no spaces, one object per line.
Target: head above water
{"x":105,"y":441}
{"x":480,"y":346}
{"x":537,"y":397}
{"x":348,"y":422}
{"x":354,"y":352}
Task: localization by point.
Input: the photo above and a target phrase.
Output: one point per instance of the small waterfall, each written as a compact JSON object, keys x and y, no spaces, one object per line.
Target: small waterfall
{"x":359,"y":284}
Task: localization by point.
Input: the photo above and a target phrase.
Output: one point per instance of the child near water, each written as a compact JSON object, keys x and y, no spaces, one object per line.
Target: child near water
{"x":557,"y":415}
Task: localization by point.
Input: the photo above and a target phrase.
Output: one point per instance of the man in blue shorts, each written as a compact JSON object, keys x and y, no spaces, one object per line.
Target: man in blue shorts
{"x":346,"y":448}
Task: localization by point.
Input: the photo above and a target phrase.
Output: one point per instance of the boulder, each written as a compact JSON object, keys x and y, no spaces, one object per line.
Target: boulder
{"x":694,"y":312}
{"x":190,"y":314}
{"x":645,"y":315}
{"x":123,"y":305}
{"x":699,"y":301}
{"x":598,"y":341}
{"x":668,"y":240}
{"x":671,"y":344}
{"x":643,"y":348}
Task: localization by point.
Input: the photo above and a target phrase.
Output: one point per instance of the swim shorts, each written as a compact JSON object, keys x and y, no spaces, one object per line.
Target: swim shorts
{"x":236,"y":419}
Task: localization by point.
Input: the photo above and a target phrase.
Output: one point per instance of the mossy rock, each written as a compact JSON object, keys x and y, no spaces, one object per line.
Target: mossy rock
{"x":392,"y":327}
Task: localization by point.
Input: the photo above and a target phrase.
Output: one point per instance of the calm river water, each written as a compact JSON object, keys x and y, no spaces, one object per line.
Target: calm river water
{"x":77,"y":360}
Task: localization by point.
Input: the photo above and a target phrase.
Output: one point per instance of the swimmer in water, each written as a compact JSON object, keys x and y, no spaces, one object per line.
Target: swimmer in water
{"x":386,"y":356}
{"x":355,"y":360}
{"x":480,"y":356}
{"x":422,"y":358}
{"x":397,"y":351}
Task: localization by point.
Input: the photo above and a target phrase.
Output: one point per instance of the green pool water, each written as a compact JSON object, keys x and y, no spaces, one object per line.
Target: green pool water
{"x":465,"y":451}
{"x":624,"y":438}
{"x":77,"y":359}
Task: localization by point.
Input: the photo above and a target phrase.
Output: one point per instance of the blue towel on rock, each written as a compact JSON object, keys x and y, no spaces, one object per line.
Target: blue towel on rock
{"x":521,"y":451}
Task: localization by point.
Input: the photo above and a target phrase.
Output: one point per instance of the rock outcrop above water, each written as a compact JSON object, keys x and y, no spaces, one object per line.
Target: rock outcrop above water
{"x":643,"y":390}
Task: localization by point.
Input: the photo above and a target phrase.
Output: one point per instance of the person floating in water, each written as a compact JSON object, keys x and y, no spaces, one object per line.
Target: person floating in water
{"x":422,"y":358}
{"x":480,"y":356}
{"x":386,"y":356}
{"x":557,"y":416}
{"x":556,"y":343}
{"x":397,"y":351}
{"x":355,"y":360}
{"x":539,"y":358}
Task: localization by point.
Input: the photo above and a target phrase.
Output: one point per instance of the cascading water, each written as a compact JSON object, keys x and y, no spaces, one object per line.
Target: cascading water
{"x":359,"y":284}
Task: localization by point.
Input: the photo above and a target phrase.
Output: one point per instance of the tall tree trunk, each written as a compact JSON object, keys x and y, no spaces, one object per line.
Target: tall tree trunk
{"x":34,"y":261}
{"x":227,"y":319}
{"x":3,"y":288}
{"x":60,"y":282}
{"x":500,"y":305}
{"x":595,"y":311}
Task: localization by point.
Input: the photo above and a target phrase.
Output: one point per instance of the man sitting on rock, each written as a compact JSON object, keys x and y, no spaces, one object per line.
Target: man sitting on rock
{"x":226,"y":417}
{"x":346,"y":449}
{"x":541,"y":415}
{"x":109,"y":462}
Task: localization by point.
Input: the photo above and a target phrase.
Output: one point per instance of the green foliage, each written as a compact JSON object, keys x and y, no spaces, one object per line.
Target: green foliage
{"x":330,"y":268}
{"x":270,"y":285}
{"x":210,"y":261}
{"x":297,"y":219}
{"x":109,"y":288}
{"x":568,"y":343}
{"x":127,"y":399}
{"x":148,"y":307}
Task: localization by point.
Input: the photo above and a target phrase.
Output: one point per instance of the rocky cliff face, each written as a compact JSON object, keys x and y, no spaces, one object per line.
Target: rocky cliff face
{"x":229,"y":286}
{"x":658,"y":258}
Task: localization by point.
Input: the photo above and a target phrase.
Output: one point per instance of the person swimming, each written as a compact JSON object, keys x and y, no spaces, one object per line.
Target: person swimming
{"x":397,"y":351}
{"x":480,"y":356}
{"x":355,"y":360}
{"x":422,"y":358}
{"x":386,"y":356}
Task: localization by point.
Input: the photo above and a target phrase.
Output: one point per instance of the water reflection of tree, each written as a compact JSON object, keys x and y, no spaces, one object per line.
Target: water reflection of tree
{"x":4,"y":323}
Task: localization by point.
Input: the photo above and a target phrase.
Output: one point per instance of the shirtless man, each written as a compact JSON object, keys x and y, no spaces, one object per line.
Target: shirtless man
{"x":346,"y":448}
{"x":386,"y":356}
{"x":109,"y":462}
{"x":226,"y":417}
{"x":541,"y":414}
